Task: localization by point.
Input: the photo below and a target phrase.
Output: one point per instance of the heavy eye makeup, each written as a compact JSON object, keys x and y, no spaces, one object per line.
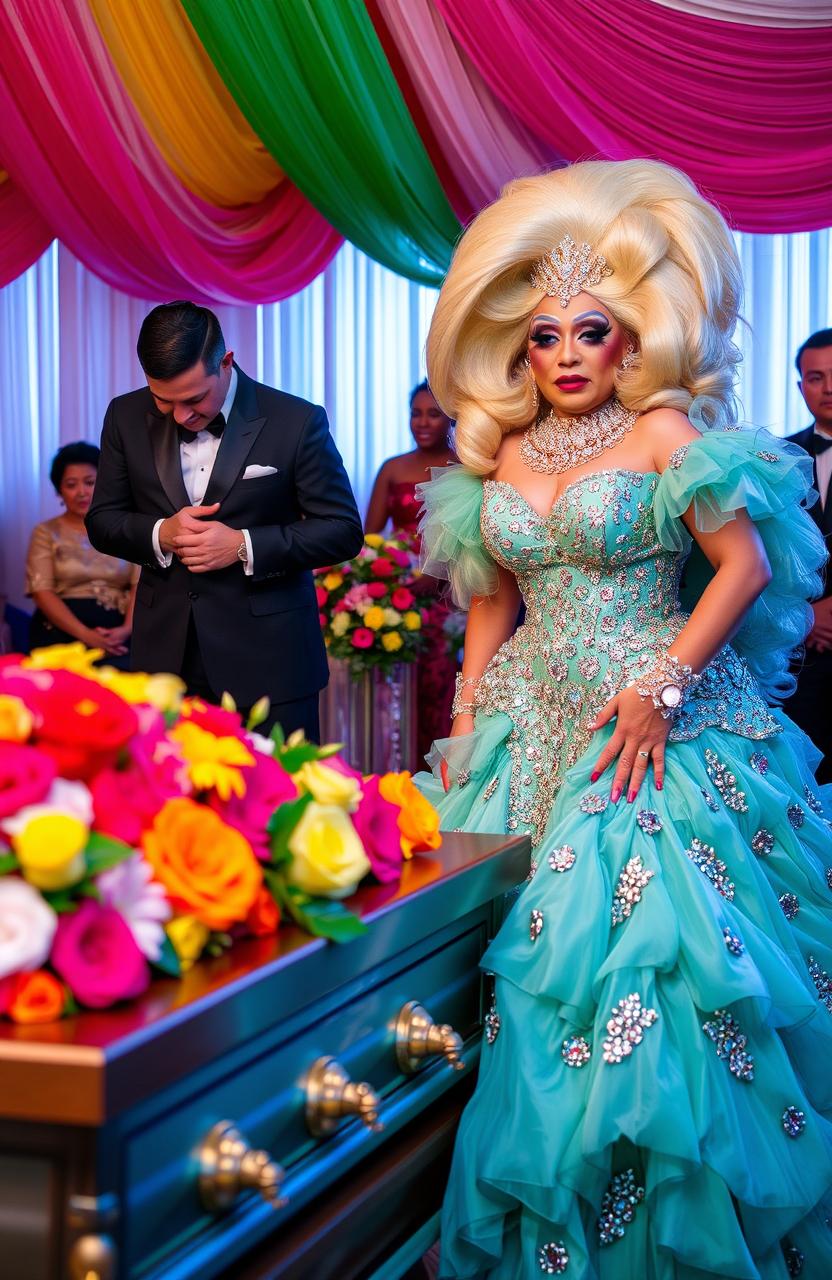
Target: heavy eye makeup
{"x":592,"y":332}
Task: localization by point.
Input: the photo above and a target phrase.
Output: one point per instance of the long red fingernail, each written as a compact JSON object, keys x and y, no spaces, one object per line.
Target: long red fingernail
{"x":593,"y":777}
{"x":631,"y":797}
{"x":615,"y":795}
{"x":659,"y":784}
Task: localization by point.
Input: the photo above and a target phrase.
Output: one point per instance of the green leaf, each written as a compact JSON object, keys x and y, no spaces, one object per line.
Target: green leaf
{"x":103,"y":852}
{"x":60,"y":900}
{"x":281,"y":825}
{"x":278,"y":737}
{"x":70,"y":1005}
{"x":8,"y":862}
{"x":168,"y":960}
{"x":89,"y":890}
{"x":323,"y":917}
{"x":292,"y":758}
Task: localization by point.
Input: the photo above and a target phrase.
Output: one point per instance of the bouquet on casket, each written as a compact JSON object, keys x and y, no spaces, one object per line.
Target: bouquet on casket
{"x":369,"y":607}
{"x":140,"y":830}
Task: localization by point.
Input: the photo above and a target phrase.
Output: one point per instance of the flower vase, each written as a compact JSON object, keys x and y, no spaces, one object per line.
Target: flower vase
{"x":373,"y":715}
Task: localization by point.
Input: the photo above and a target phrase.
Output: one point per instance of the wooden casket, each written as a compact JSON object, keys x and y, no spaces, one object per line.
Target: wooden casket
{"x":228,"y":1124}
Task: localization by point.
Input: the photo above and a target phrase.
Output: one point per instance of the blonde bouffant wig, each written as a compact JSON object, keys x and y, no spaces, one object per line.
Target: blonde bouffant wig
{"x":675,"y":287}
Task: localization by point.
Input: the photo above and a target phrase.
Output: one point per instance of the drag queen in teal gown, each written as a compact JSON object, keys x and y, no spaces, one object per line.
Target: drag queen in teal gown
{"x":655,"y":1093}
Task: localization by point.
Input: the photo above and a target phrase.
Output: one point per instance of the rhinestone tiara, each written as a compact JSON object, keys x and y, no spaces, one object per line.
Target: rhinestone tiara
{"x":567,"y":270}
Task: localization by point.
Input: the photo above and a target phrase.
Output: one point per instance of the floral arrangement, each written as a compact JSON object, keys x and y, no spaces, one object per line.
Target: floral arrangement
{"x":140,"y":830}
{"x":369,"y":609}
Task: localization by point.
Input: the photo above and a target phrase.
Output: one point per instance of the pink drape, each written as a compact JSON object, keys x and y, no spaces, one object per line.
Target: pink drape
{"x":744,"y":110}
{"x":75,"y":146}
{"x":23,"y":233}
{"x":481,"y":143}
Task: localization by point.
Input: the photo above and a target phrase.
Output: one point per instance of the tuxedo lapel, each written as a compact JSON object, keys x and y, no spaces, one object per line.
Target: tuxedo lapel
{"x":241,"y":431}
{"x":165,"y":442}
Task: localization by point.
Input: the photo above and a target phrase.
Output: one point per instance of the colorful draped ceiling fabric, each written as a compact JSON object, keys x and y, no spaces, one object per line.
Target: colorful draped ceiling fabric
{"x":222,"y":149}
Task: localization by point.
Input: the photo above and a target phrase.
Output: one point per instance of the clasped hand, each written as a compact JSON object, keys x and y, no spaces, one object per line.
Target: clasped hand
{"x":200,"y":542}
{"x":638,"y":740}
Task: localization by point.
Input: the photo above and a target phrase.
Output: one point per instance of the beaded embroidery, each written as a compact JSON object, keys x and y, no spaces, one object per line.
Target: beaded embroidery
{"x":632,"y":880}
{"x":713,"y":868}
{"x":794,"y":1259}
{"x":593,"y":803}
{"x":492,"y":1023}
{"x":812,"y":800}
{"x":829,"y":877}
{"x":789,"y":905}
{"x":733,"y":942}
{"x":553,"y":1258}
{"x":730,"y":1044}
{"x":576,"y":1051}
{"x":793,"y":1121}
{"x":822,"y":981}
{"x":709,"y":799}
{"x":626,"y":1028}
{"x":562,"y":859}
{"x":725,"y":782}
{"x":762,"y":842}
{"x":649,"y":821}
{"x":618,"y":1207}
{"x":796,"y":816}
{"x":535,"y":924}
{"x":759,"y":762}
{"x":677,"y":457}
{"x":491,"y":788}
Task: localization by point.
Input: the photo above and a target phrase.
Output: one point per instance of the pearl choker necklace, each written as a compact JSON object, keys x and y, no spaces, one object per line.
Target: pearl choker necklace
{"x":559,"y":444}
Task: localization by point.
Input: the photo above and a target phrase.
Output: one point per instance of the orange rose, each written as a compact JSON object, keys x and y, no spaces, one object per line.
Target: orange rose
{"x":264,"y":917}
{"x":418,"y":820}
{"x":36,"y":997}
{"x":207,"y":867}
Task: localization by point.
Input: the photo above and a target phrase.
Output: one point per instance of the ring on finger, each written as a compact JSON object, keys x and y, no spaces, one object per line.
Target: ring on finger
{"x":645,"y":755}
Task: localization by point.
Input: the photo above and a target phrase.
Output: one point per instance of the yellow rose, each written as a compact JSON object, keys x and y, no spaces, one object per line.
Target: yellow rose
{"x":188,"y":937}
{"x":392,"y":641}
{"x":328,"y":786}
{"x":15,"y":719}
{"x":164,"y":692}
{"x":328,"y":859}
{"x":341,"y":623}
{"x":50,"y":849}
{"x":333,"y":580}
{"x":413,"y":620}
{"x":374,"y":540}
{"x":374,"y":617}
{"x":64,"y":657}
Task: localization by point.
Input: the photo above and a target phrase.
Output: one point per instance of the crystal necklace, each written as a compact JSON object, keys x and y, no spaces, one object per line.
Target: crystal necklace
{"x":558,"y":444}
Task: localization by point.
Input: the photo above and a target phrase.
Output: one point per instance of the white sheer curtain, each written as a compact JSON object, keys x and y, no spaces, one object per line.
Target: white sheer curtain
{"x":354,"y":341}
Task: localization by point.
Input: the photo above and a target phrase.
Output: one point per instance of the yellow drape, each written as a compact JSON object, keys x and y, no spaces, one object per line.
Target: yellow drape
{"x":184,"y":105}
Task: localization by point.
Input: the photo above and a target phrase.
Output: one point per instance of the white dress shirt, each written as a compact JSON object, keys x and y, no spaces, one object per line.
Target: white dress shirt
{"x":197,"y":457}
{"x":823,"y":467}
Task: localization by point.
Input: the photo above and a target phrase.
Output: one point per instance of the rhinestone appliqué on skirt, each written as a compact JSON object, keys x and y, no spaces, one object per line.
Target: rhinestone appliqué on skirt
{"x":492,"y":1023}
{"x":762,"y":842}
{"x":822,"y":981}
{"x":789,"y":905}
{"x":829,"y":876}
{"x":793,"y":1121}
{"x":562,"y":859}
{"x":593,"y":803}
{"x":532,"y":870}
{"x":759,"y":762}
{"x":576,"y":1051}
{"x":649,"y":821}
{"x":725,"y":782}
{"x":812,"y":800}
{"x":632,"y":880}
{"x":730,"y":1044}
{"x":713,"y":868}
{"x":709,"y":800}
{"x":535,"y":924}
{"x":491,"y":788}
{"x":626,"y":1028}
{"x":733,"y":942}
{"x":618,"y":1207}
{"x":552,"y":1258}
{"x":796,"y":816}
{"x":677,"y":457}
{"x":794,"y":1259}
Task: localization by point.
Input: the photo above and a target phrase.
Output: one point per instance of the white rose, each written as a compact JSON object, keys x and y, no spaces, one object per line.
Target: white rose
{"x":27,"y":927}
{"x":392,"y":617}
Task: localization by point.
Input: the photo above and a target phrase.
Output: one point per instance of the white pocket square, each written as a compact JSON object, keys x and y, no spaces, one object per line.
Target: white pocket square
{"x":255,"y":471}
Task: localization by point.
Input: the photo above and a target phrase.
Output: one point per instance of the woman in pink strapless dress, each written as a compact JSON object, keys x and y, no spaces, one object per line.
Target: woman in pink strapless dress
{"x":394,"y":502}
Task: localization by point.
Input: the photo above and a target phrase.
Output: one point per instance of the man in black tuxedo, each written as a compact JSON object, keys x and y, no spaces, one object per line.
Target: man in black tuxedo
{"x":811,"y":705}
{"x":227,"y":493}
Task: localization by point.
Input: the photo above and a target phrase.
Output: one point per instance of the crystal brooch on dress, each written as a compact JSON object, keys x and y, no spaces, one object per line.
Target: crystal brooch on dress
{"x":632,"y":880}
{"x":576,"y":1051}
{"x":492,"y":1023}
{"x":822,"y":981}
{"x":730,"y":1044}
{"x":626,"y":1028}
{"x":796,"y":816}
{"x":593,"y":803}
{"x":733,"y":942}
{"x":618,"y":1207}
{"x":794,"y":1259}
{"x":725,"y":782}
{"x":552,"y":1258}
{"x":562,"y":859}
{"x":789,"y":905}
{"x":649,"y":821}
{"x":535,"y":924}
{"x":759,"y":762}
{"x":762,"y":842}
{"x":713,"y":868}
{"x":793,"y":1121}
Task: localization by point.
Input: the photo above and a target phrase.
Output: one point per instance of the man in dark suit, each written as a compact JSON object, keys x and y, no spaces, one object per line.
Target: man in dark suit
{"x":227,"y":493}
{"x":811,"y":705}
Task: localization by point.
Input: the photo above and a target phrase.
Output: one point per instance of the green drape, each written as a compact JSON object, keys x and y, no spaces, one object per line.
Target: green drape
{"x":313,"y":81}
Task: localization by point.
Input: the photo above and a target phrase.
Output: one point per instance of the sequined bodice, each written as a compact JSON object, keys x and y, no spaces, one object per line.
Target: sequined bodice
{"x":601,"y":597}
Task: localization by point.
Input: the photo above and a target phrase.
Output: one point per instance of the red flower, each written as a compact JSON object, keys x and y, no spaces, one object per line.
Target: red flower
{"x":401,"y":558}
{"x":362,"y":638}
{"x":25,"y":777}
{"x":264,"y":917}
{"x":268,"y":786}
{"x":382,"y":567}
{"x":321,"y":596}
{"x":341,"y":607}
{"x":216,"y":720}
{"x":376,"y":590}
{"x":322,"y":619}
{"x":402,"y":598}
{"x":96,"y":955}
{"x":79,"y":723}
{"x":127,"y":800}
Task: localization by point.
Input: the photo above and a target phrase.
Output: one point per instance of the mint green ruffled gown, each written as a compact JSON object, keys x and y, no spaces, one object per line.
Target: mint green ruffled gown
{"x":655,"y":1093}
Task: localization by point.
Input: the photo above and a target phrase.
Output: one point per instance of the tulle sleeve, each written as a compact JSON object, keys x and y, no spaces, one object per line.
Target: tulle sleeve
{"x":450,"y":531}
{"x":726,"y":471}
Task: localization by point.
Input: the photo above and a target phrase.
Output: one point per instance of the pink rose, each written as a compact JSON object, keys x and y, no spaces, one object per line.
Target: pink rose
{"x":96,"y":955}
{"x":377,"y":824}
{"x":376,"y":590}
{"x":127,"y":800}
{"x":401,"y":558}
{"x":382,"y":567}
{"x":268,"y":786}
{"x":223,"y":724}
{"x":362,"y":638}
{"x":339,"y":764}
{"x":322,"y":619}
{"x":356,"y":595}
{"x":341,"y":607}
{"x":26,"y":775}
{"x":321,"y":596}
{"x":402,"y":598}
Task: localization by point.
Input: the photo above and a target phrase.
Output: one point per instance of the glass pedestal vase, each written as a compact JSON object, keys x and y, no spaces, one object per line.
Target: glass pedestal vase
{"x":374,"y":716}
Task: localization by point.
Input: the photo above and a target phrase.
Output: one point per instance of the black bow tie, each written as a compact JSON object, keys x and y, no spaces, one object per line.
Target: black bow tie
{"x":216,"y":428}
{"x":820,"y":444}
